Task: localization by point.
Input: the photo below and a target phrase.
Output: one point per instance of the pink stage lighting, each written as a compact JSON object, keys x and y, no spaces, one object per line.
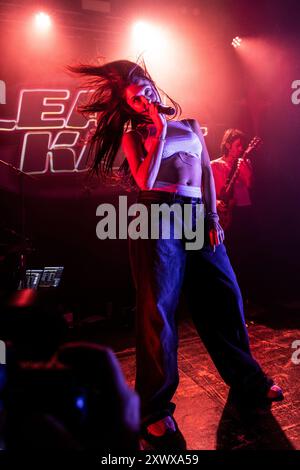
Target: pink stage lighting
{"x":236,"y":42}
{"x":42,"y":22}
{"x":148,"y":37}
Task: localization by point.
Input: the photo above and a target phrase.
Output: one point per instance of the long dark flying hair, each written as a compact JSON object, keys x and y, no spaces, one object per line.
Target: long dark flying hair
{"x":113,"y":115}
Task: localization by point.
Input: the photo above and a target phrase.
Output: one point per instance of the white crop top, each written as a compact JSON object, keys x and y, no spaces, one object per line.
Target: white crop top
{"x":181,"y":137}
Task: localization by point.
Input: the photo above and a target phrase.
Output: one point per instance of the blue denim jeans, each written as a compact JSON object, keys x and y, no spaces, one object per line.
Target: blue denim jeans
{"x":161,"y":268}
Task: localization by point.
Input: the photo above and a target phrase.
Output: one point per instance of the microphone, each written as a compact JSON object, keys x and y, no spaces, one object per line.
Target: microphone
{"x":168,"y":110}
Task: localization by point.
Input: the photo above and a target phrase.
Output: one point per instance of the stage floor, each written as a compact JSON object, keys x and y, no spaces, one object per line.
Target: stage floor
{"x":205,"y":417}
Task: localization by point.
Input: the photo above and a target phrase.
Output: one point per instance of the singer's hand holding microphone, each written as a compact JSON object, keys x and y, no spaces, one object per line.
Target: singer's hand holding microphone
{"x":157,"y":113}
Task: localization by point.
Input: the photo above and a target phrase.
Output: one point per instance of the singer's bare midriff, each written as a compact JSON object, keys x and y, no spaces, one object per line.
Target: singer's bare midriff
{"x":180,"y":168}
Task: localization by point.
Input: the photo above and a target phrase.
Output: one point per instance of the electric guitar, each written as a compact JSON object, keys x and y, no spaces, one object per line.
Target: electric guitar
{"x":226,"y":198}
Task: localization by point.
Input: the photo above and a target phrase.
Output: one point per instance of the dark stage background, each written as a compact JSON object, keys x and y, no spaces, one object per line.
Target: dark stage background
{"x":250,"y":88}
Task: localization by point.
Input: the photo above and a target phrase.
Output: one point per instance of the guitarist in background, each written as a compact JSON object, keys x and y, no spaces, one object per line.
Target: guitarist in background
{"x":232,"y":149}
{"x":235,"y":211}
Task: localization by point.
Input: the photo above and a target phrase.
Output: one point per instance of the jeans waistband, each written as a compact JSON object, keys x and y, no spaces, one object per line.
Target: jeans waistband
{"x":164,"y":196}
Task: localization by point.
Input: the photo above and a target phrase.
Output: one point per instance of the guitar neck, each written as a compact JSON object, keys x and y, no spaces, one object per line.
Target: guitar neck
{"x":229,"y":185}
{"x":235,"y":175}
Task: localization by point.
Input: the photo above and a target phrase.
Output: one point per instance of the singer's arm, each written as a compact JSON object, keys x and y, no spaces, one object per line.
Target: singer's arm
{"x":208,"y":183}
{"x":216,"y":234}
{"x":145,"y":168}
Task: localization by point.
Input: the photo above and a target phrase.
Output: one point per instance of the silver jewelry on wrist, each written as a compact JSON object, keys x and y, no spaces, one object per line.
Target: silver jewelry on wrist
{"x":212,"y":215}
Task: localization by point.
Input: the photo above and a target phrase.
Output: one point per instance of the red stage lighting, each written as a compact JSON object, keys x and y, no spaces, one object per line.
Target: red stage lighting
{"x":42,"y":22}
{"x":148,"y":37}
{"x":236,"y":42}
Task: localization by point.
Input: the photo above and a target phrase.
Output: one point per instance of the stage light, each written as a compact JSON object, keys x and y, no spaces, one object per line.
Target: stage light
{"x":148,"y":37}
{"x":236,"y":42}
{"x":42,"y":22}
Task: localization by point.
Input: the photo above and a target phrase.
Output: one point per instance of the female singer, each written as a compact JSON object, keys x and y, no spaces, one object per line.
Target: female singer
{"x":168,"y":162}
